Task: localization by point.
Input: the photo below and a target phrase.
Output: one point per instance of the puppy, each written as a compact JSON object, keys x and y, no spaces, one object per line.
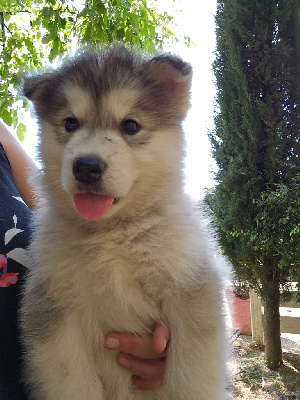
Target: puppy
{"x":117,"y":246}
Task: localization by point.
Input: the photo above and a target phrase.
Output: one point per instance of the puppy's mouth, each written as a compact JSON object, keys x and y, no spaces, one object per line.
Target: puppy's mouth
{"x":93,"y":206}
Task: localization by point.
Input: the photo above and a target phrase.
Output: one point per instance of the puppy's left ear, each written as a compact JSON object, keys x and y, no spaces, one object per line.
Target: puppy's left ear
{"x":175,"y":77}
{"x":34,"y":85}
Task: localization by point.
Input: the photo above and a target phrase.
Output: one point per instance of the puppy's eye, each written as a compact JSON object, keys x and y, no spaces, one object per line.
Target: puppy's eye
{"x":130,"y":127}
{"x":71,"y":124}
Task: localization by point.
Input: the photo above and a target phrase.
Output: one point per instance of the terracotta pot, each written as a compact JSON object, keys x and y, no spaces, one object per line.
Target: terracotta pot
{"x":240,"y":313}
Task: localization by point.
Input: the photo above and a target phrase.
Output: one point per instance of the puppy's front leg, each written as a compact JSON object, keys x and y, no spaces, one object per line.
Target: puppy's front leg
{"x":196,"y":362}
{"x":61,"y":368}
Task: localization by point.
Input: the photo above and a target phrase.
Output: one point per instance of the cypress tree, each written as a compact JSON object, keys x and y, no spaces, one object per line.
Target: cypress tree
{"x":256,"y":146}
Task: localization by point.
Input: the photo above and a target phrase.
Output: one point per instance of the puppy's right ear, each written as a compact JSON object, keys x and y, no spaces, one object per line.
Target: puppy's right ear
{"x":33,"y":86}
{"x":174,"y":76}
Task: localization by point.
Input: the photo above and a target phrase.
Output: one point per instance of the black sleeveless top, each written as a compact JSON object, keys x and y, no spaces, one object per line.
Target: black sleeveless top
{"x":15,"y":219}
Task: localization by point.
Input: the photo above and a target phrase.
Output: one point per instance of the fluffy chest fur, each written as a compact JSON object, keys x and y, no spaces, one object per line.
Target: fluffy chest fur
{"x":120,"y":275}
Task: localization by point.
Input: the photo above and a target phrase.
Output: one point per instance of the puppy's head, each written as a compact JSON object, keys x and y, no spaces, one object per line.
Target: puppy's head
{"x":110,"y":127}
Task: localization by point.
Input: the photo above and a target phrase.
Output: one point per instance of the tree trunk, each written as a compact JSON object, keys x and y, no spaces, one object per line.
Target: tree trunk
{"x":273,"y":352}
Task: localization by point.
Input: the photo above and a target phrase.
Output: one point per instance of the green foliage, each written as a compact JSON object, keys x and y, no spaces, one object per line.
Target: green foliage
{"x":256,"y":145}
{"x":256,"y":140}
{"x":34,"y":33}
{"x":278,"y":219}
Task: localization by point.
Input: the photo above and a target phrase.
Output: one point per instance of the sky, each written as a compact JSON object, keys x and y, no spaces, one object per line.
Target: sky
{"x":196,"y":20}
{"x":198,"y":23}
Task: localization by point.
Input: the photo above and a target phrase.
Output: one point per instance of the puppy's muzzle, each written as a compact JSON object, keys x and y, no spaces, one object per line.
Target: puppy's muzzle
{"x":87,"y":169}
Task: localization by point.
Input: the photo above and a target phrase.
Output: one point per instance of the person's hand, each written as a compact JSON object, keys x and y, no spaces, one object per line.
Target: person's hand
{"x":144,"y":356}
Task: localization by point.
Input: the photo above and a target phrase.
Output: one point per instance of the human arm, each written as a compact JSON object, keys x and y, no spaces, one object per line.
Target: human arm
{"x":21,"y":165}
{"x":144,"y":356}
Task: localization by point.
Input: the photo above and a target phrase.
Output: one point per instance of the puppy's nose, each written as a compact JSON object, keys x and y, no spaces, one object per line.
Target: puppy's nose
{"x":87,"y":169}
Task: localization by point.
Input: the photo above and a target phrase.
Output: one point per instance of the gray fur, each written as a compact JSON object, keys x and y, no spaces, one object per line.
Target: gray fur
{"x":148,"y":258}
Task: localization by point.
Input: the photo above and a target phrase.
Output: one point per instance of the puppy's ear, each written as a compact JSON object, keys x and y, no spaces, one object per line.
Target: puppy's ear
{"x":175,"y":77}
{"x":33,"y":86}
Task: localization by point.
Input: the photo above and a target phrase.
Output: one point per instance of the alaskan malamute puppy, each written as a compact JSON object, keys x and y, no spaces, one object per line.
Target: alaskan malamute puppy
{"x":117,"y":247}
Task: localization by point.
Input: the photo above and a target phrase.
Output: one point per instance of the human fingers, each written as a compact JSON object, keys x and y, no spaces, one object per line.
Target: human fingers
{"x":150,"y":370}
{"x":145,"y":384}
{"x":145,"y":346}
{"x":160,"y":338}
{"x":138,"y":345}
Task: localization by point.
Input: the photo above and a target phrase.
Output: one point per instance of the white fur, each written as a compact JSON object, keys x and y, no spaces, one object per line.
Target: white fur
{"x":148,"y":259}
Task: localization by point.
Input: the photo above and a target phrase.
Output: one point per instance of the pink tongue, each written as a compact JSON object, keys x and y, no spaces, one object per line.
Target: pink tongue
{"x":92,"y":206}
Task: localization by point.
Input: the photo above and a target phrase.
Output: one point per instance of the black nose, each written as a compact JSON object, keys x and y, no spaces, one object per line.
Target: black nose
{"x":87,"y":169}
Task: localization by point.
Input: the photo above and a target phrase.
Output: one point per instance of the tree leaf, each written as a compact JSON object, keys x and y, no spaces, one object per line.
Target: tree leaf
{"x":21,"y":130}
{"x":7,"y":117}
